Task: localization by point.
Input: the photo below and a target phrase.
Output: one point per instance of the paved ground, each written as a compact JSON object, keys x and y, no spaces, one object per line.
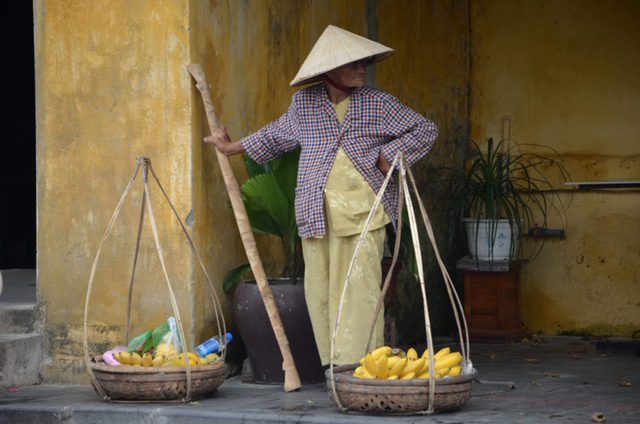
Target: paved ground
{"x":556,"y":379}
{"x":548,"y":380}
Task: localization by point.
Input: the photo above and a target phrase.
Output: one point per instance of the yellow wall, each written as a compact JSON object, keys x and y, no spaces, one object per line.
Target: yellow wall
{"x":566,"y":74}
{"x":430,"y":69}
{"x":110,"y":87}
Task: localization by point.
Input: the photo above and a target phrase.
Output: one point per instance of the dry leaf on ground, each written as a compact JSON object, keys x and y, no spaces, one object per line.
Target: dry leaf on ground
{"x":551,"y":374}
{"x":624,"y":383}
{"x":532,"y":360}
{"x":598,"y":417}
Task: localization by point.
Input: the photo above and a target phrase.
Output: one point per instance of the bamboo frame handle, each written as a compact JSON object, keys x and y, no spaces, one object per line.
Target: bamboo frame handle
{"x":291,"y":378}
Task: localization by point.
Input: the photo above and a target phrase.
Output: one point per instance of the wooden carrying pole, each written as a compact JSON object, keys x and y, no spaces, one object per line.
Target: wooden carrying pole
{"x":291,"y":378}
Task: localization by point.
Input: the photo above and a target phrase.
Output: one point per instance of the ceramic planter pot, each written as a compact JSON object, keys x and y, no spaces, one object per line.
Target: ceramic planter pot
{"x":262,"y":348}
{"x":482,"y":232}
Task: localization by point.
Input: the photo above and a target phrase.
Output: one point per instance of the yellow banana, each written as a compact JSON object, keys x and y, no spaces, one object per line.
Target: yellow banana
{"x":455,"y":371}
{"x":180,"y":361}
{"x":124,"y":358}
{"x":382,"y":369}
{"x":136,"y":359}
{"x":446,"y":362}
{"x":212,"y":357}
{"x":408,"y":376}
{"x":442,"y":353}
{"x":361,"y":372}
{"x":424,"y":368}
{"x":398,"y":366}
{"x":393,"y":360}
{"x":367,"y":376}
{"x":160,"y":350}
{"x":370,"y":364}
{"x":428,"y":375}
{"x":413,"y":366}
{"x":167,"y":350}
{"x":412,"y":354}
{"x":425,"y":354}
{"x":147,"y":360}
{"x":383,"y":350}
{"x":392,"y":377}
{"x":158,"y":361}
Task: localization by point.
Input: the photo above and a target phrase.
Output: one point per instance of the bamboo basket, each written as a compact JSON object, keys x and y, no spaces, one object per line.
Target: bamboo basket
{"x":126,"y":383}
{"x":402,"y":397}
{"x":397,"y":397}
{"x":156,"y":384}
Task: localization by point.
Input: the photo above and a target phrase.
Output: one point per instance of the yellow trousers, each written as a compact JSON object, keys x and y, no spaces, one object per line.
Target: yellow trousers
{"x":326,"y":264}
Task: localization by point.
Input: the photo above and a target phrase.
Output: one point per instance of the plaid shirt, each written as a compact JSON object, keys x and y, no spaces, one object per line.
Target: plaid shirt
{"x":375,"y":122}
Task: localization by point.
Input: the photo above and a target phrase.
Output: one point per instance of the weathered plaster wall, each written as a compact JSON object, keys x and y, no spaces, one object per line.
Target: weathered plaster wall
{"x":430,"y":69}
{"x":566,"y":74}
{"x":110,"y":87}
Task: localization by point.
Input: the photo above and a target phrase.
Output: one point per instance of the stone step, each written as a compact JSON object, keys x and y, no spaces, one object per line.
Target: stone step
{"x":17,"y":318}
{"x":20,"y":359}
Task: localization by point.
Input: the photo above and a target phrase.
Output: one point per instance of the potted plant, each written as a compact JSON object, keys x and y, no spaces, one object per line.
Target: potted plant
{"x":268,"y":196}
{"x":501,"y":194}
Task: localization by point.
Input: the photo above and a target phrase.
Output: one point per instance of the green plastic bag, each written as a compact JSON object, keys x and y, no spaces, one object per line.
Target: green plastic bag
{"x":141,"y":343}
{"x":159,"y":332}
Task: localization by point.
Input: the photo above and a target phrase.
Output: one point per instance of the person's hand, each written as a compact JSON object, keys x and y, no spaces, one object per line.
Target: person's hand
{"x":383,"y":164}
{"x":221,"y":140}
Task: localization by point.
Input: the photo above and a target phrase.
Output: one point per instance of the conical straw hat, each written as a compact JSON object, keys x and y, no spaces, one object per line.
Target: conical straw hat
{"x":337,"y":47}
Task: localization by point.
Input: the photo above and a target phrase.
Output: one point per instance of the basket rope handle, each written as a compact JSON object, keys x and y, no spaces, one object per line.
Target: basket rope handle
{"x":456,"y":304}
{"x":174,"y":304}
{"x":415,"y":238}
{"x":107,"y":232}
{"x":133,"y":270}
{"x":394,"y":259}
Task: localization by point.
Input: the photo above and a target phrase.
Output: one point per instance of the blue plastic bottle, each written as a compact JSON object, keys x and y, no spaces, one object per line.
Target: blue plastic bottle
{"x":212,"y":345}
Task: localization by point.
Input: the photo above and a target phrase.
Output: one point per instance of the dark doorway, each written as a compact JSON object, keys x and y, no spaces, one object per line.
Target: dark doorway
{"x":18,"y":142}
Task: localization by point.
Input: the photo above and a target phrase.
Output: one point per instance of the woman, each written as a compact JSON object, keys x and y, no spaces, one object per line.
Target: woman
{"x":348,"y":135}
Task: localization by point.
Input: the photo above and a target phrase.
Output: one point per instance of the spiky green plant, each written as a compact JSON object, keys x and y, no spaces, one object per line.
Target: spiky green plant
{"x":505,"y":181}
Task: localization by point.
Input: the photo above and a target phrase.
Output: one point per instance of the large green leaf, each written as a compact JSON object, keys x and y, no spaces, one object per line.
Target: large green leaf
{"x":234,"y":276}
{"x":285,"y":169}
{"x":253,"y":167}
{"x":267,"y":206}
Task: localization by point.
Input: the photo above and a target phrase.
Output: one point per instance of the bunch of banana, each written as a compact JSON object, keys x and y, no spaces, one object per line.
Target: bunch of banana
{"x":385,"y":363}
{"x":168,"y":350}
{"x":179,"y":360}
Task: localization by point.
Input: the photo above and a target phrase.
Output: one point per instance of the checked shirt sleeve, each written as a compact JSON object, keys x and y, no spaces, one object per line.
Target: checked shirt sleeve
{"x":411,"y":132}
{"x":274,"y":139}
